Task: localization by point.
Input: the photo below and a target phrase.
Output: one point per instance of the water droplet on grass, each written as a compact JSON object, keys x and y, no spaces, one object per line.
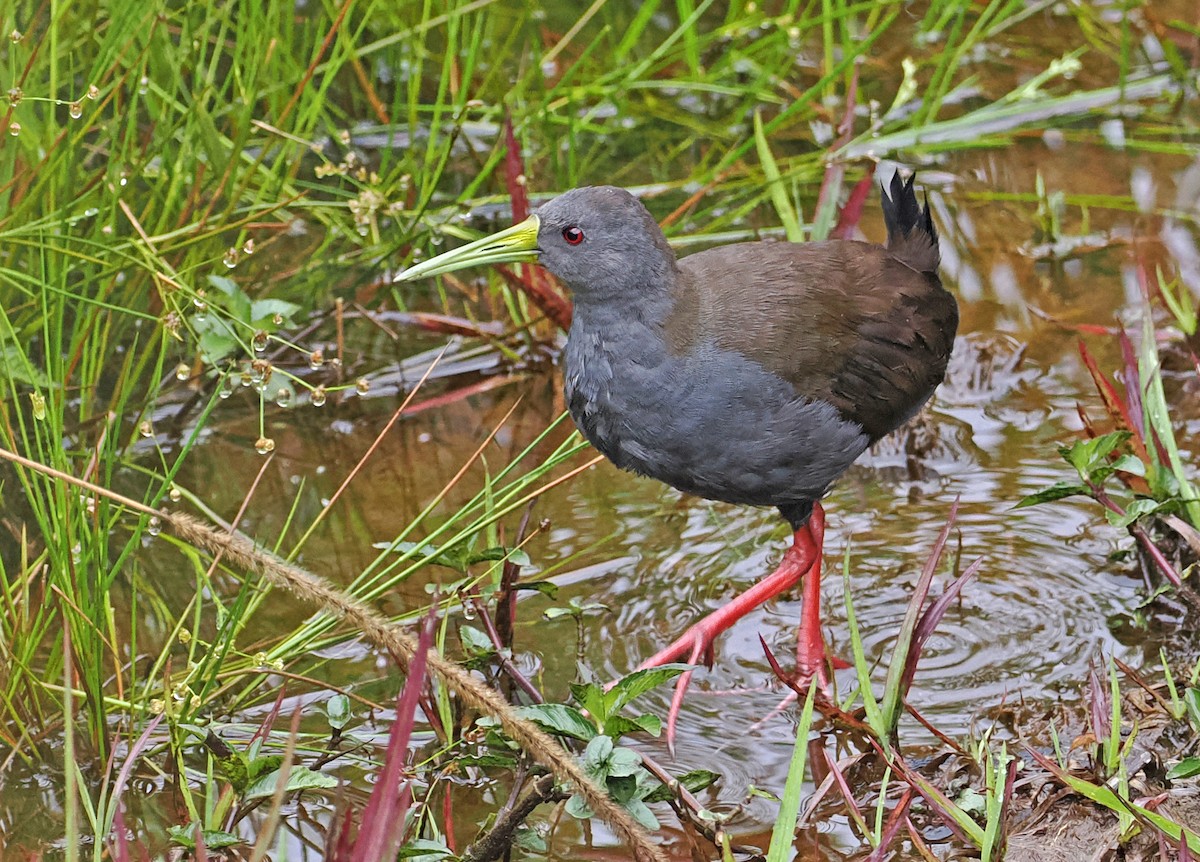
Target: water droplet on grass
{"x":146,"y":428}
{"x":362,"y":385}
{"x":318,"y":397}
{"x":264,"y":445}
{"x":183,"y":371}
{"x":15,"y":95}
{"x":175,"y":494}
{"x":261,"y":339}
{"x":76,"y":110}
{"x":231,"y":258}
{"x":154,"y":525}
{"x":14,"y":128}
{"x":316,"y":359}
{"x":93,"y":92}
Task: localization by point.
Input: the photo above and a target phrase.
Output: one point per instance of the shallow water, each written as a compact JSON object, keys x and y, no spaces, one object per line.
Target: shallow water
{"x":1049,"y":600}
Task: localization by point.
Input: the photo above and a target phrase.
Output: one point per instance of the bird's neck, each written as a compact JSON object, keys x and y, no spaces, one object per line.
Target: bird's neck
{"x":608,"y":348}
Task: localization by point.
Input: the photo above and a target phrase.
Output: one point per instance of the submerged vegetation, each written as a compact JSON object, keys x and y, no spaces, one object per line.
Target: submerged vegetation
{"x":229,"y":627}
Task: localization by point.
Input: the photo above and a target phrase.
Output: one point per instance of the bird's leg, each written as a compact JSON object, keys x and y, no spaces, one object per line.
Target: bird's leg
{"x":802,"y":557}
{"x":810,"y":646}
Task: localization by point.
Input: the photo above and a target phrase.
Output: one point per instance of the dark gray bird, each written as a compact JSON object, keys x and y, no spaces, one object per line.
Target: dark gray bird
{"x":752,"y":373}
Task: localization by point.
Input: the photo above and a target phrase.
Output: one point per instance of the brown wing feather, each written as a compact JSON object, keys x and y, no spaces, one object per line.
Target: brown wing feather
{"x":845,"y":322}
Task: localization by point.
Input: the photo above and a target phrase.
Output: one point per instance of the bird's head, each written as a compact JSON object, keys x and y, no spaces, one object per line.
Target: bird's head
{"x":600,"y":240}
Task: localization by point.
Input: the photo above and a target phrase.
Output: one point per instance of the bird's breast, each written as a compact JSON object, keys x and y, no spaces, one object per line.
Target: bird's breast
{"x":707,"y":422}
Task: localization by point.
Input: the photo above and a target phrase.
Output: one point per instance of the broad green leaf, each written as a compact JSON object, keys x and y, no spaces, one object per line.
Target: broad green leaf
{"x":423,"y":848}
{"x":1137,"y":509}
{"x":590,"y":696}
{"x":623,"y":762}
{"x":1057,"y":491}
{"x":185,"y":836}
{"x":643,"y":815}
{"x":560,"y":719}
{"x":299,"y":778}
{"x":617,"y":726}
{"x":475,"y":642}
{"x":258,"y":766}
{"x":1130,"y":464}
{"x":577,"y":808}
{"x":596,"y":755}
{"x":337,"y":711}
{"x":1086,"y":455}
{"x":515,"y":556}
{"x":264,"y":311}
{"x":638,"y":683}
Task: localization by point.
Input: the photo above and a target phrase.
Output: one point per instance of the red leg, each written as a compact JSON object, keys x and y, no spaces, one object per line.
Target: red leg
{"x":802,"y":557}
{"x":810,"y":645}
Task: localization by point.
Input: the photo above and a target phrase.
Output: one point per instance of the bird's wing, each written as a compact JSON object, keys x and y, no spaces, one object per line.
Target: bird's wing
{"x":842,"y":321}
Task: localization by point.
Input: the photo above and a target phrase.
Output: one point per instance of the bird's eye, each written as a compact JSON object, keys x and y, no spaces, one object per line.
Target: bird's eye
{"x":573,"y":235}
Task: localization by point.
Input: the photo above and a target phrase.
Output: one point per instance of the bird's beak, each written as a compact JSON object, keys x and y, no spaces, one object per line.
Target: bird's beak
{"x":512,"y":245}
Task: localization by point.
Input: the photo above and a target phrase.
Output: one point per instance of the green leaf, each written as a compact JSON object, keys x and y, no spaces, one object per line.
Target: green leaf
{"x":591,"y":697}
{"x":784,"y":831}
{"x":1185,"y":768}
{"x":559,"y":719}
{"x":577,"y":808}
{"x":1137,"y":509}
{"x":530,"y":839}
{"x":617,"y":726}
{"x":972,"y":802}
{"x":475,"y":643}
{"x":513,"y":555}
{"x":234,"y":769}
{"x":1191,"y":699}
{"x":596,"y":755}
{"x":337,"y":711}
{"x":263,"y":312}
{"x":1130,"y":464}
{"x":693,"y":781}
{"x":258,"y":766}
{"x":1057,"y":491}
{"x":299,"y":778}
{"x":623,"y":762}
{"x":238,"y":304}
{"x":423,"y":848}
{"x":642,"y":814}
{"x":185,"y":836}
{"x":454,"y":558}
{"x":488,"y":760}
{"x":784,"y":207}
{"x":638,"y":683}
{"x":1086,"y":455}
{"x":622,"y":788}
{"x":548,"y":589}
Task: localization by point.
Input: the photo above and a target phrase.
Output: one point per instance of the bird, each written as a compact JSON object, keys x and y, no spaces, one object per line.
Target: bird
{"x":752,"y":373}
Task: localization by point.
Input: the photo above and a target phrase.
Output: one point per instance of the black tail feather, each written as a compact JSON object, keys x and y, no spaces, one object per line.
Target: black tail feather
{"x":911,"y":235}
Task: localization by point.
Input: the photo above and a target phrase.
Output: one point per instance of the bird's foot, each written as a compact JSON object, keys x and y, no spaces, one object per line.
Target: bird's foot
{"x":697,"y":645}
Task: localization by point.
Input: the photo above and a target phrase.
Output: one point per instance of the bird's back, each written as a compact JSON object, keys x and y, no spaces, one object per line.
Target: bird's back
{"x":865,"y":328}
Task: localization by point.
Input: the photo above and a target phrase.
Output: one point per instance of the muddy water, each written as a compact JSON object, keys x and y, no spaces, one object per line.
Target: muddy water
{"x":1047,"y":602}
{"x":1048,"y":599}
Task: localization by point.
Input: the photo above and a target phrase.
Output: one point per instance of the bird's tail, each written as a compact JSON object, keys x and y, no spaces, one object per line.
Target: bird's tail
{"x":911,"y":235}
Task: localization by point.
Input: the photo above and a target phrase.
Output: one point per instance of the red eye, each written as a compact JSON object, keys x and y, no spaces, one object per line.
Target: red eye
{"x":573,"y":235}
